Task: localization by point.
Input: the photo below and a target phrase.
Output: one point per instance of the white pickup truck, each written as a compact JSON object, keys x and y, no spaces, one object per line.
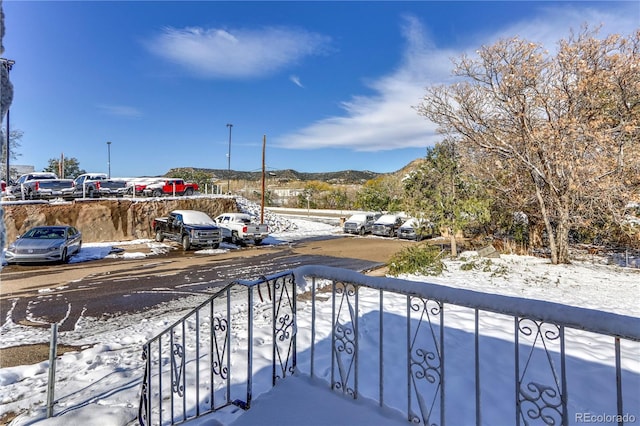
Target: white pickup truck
{"x":239,"y":229}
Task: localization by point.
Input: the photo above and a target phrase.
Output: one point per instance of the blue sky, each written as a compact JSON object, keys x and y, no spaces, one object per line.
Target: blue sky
{"x":330,"y":84}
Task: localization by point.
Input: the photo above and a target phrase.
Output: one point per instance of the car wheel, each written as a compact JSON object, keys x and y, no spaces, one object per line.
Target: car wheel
{"x":188,"y":192}
{"x":159,"y":236}
{"x":186,"y":242}
{"x":216,"y":245}
{"x":258,"y":241}
{"x":64,"y":258}
{"x":234,"y":238}
{"x":361,"y":231}
{"x":156,"y":193}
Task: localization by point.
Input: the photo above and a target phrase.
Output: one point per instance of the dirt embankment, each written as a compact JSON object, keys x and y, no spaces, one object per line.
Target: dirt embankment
{"x":107,"y":220}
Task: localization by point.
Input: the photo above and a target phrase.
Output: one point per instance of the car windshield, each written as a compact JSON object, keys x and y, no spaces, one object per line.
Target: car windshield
{"x":411,"y":223}
{"x":44,"y":233}
{"x":196,"y":218}
{"x":386,"y":219}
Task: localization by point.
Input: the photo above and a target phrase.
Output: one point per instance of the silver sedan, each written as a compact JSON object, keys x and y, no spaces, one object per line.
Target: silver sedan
{"x":45,"y":244}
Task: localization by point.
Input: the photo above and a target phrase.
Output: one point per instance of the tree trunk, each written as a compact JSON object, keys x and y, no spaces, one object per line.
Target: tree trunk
{"x":562,"y":231}
{"x":452,"y":239}
{"x":535,"y":234}
{"x":547,"y":224}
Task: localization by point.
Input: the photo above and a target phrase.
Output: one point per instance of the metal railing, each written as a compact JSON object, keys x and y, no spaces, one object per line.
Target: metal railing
{"x":205,"y":361}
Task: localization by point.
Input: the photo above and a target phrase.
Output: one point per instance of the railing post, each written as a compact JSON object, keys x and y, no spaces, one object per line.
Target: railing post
{"x":52,"y":369}
{"x":197,"y":362}
{"x":517,"y":368}
{"x":313,"y":325}
{"x":250,"y":349}
{"x":228,"y":399}
{"x":619,"y":382}
{"x":443,"y":364}
{"x":477,"y":367}
{"x":408,"y":348}
{"x":381,"y":351}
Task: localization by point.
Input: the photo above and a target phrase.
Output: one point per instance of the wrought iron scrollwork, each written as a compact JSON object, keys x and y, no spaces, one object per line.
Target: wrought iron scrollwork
{"x":345,"y":336}
{"x":425,"y":357}
{"x":218,"y":364}
{"x":144,"y":395}
{"x":284,"y":323}
{"x":538,"y":401}
{"x":541,"y":402}
{"x":177,"y":363}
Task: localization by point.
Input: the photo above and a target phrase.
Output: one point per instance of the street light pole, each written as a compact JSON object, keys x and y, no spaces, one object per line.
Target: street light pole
{"x":229,"y":125}
{"x":109,"y":159}
{"x":8,"y":64}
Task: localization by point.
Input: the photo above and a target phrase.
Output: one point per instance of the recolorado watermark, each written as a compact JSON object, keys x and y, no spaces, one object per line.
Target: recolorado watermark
{"x":605,"y":418}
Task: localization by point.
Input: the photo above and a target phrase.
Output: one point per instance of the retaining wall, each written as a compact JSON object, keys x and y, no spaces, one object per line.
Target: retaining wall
{"x":108,"y":219}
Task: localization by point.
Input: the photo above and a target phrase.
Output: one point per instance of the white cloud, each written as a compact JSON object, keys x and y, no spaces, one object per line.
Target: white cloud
{"x":220,"y":53}
{"x":121,"y":110}
{"x":386,"y":120}
{"x":296,"y":80}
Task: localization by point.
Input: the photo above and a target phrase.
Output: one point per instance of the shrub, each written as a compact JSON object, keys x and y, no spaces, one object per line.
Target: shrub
{"x":484,"y":265}
{"x":417,"y":259}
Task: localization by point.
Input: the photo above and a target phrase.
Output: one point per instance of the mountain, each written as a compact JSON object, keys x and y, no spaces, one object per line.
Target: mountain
{"x":347,"y":177}
{"x":288,"y":175}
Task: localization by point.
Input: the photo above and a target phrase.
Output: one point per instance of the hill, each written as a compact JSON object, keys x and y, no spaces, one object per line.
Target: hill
{"x":288,"y":175}
{"x":357,"y":177}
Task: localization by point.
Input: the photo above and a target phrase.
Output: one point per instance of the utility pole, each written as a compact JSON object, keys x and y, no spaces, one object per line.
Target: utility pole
{"x":109,"y":159}
{"x":229,"y":125}
{"x":8,"y":64}
{"x":264,"y":146}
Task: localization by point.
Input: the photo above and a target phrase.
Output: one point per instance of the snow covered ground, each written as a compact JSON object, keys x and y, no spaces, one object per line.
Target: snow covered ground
{"x":100,"y":384}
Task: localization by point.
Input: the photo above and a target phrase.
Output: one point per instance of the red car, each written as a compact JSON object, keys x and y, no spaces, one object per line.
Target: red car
{"x":170,"y":187}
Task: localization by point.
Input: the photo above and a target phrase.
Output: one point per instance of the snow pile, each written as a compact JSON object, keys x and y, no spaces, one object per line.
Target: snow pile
{"x":276,"y":223}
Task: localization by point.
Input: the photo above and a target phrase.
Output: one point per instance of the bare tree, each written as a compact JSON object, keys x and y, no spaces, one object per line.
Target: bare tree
{"x":565,"y":127}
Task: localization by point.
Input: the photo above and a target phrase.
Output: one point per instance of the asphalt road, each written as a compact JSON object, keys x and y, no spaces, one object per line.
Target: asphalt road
{"x":42,"y":294}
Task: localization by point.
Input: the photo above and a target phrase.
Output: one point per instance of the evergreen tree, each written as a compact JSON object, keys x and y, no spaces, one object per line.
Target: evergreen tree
{"x":438,"y":191}
{"x":71,"y":168}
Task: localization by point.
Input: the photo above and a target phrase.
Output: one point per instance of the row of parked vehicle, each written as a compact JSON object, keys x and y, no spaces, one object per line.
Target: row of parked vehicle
{"x":388,"y":225}
{"x":190,"y":228}
{"x":45,"y":185}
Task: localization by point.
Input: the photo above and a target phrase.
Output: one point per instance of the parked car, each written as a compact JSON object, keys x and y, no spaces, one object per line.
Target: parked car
{"x":41,"y":185}
{"x":415,"y":229}
{"x":387,"y":225}
{"x":139,"y":185}
{"x":360,"y":223}
{"x":191,"y":228}
{"x":95,"y":185}
{"x":45,"y":244}
{"x":170,"y":187}
{"x":238,"y":228}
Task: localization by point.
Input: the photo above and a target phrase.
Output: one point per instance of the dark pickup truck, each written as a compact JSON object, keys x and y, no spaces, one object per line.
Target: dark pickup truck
{"x":190,"y":228}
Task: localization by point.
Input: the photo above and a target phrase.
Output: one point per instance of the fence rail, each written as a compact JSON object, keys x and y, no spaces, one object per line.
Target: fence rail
{"x":205,"y":361}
